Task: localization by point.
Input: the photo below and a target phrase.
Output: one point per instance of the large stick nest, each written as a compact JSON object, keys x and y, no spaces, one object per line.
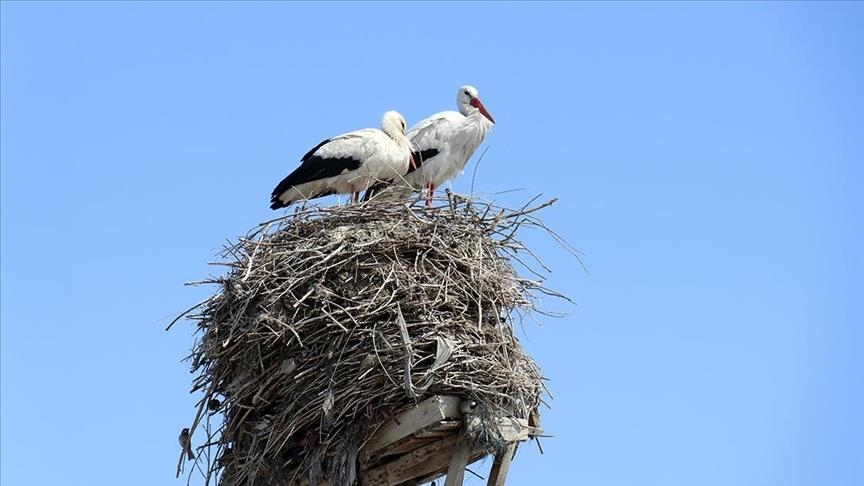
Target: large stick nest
{"x":333,"y":319}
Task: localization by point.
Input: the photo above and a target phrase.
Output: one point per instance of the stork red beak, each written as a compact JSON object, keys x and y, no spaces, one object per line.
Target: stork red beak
{"x":413,"y":162}
{"x":475,"y":102}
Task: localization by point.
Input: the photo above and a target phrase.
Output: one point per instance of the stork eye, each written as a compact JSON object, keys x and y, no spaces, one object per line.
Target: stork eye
{"x":467,"y":93}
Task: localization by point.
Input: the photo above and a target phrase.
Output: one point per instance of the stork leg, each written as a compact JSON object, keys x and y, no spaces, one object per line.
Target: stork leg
{"x":355,"y":196}
{"x":431,"y":188}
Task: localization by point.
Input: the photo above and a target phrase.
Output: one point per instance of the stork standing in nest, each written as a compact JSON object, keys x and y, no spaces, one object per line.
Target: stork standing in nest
{"x":349,"y":163}
{"x":444,"y":142}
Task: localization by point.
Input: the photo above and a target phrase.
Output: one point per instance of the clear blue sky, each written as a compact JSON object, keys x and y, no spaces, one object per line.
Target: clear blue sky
{"x":707,"y":158}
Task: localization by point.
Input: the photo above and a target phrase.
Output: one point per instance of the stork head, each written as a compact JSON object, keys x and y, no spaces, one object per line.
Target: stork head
{"x":468,"y":100}
{"x":393,"y":124}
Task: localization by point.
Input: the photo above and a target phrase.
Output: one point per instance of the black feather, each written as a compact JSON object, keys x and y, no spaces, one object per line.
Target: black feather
{"x":312,"y":168}
{"x":375,"y":189}
{"x":314,"y":149}
{"x":420,"y":156}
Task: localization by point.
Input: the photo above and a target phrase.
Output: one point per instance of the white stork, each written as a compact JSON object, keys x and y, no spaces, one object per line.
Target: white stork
{"x":444,"y":142}
{"x":349,"y":163}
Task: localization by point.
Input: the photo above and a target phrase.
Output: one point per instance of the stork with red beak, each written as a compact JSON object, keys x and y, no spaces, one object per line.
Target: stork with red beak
{"x":444,"y":142}
{"x":349,"y":163}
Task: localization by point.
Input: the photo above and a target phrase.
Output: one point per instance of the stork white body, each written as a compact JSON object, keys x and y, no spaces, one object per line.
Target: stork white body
{"x":349,"y":163}
{"x":453,"y":135}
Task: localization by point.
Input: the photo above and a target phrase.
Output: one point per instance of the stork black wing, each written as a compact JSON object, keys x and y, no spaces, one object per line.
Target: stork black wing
{"x":312,"y":168}
{"x":420,"y":156}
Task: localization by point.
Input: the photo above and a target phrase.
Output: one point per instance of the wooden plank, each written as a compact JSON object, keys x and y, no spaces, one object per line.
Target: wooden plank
{"x":456,"y":471}
{"x":410,"y":421}
{"x":375,"y":477}
{"x":498,"y":473}
{"x":513,"y":430}
{"x":446,"y":425}
{"x":427,"y":434}
{"x":407,"y":445}
{"x":439,"y":429}
{"x":425,"y":464}
{"x":423,"y":461}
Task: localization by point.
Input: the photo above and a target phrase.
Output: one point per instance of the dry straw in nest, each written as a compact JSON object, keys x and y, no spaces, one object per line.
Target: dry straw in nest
{"x":333,"y":319}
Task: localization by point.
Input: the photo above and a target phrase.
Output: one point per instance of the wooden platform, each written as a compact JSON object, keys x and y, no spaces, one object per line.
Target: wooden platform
{"x":426,"y":442}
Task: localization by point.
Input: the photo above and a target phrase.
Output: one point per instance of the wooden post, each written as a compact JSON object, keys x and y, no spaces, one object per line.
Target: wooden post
{"x":498,"y":474}
{"x":456,"y":472}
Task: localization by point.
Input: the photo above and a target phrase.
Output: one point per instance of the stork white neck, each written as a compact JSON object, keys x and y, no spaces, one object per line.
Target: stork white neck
{"x":473,"y":131}
{"x":393,"y":124}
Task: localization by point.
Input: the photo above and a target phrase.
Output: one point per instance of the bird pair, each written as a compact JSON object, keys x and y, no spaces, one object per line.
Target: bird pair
{"x":432,"y":152}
